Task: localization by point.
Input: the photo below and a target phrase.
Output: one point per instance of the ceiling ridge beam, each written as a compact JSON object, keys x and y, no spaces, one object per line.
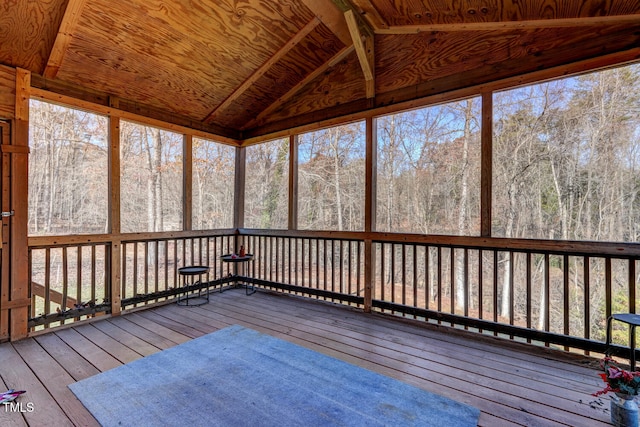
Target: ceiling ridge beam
{"x":513,"y":25}
{"x":63,"y":38}
{"x":331,"y":17}
{"x":284,"y":50}
{"x":364,"y":49}
{"x":369,"y":12}
{"x":295,"y":89}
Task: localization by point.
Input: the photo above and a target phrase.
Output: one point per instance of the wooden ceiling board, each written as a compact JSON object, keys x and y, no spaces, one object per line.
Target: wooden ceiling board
{"x":586,"y":47}
{"x":417,"y":12}
{"x":409,"y":60}
{"x":316,"y":49}
{"x":165,"y":56}
{"x":28,"y":30}
{"x":341,"y":84}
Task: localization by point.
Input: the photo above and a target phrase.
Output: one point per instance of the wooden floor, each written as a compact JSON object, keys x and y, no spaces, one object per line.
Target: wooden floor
{"x":511,"y":385}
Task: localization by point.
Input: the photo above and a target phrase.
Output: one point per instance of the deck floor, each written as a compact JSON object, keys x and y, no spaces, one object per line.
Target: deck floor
{"x":510,"y":384}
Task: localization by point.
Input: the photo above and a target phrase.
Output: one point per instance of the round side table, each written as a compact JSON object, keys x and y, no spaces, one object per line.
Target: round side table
{"x":188,"y":275}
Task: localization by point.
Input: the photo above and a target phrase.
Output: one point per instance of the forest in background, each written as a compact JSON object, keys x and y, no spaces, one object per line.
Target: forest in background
{"x":565,"y":166}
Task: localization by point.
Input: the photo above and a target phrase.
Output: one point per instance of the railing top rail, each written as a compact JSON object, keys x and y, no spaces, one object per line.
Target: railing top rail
{"x":557,"y":247}
{"x":90,"y":239}
{"x":313,"y":234}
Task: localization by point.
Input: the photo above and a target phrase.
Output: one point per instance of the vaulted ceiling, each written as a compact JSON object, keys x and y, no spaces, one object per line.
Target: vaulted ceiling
{"x":243,"y":68}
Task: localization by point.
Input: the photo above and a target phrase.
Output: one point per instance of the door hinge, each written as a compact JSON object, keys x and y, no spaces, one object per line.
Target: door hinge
{"x":7,"y":214}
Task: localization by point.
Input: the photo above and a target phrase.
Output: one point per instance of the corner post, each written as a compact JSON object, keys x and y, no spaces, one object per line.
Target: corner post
{"x":19,"y":243}
{"x":115,"y":272}
{"x":370,"y":211}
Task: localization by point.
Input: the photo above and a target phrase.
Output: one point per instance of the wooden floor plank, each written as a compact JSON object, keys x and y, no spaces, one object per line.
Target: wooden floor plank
{"x":55,"y":378}
{"x":95,"y":355}
{"x":175,"y":323}
{"x":462,"y":357}
{"x":18,"y":375}
{"x":512,"y":385}
{"x":152,"y":338}
{"x":7,"y":417}
{"x":115,"y":348}
{"x":126,"y":338}
{"x":437,"y":379}
{"x":76,"y":365}
{"x":517,"y":395}
{"x":156,"y":329}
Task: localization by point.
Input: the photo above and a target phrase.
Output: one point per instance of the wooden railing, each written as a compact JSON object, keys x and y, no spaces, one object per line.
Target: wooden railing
{"x":547,"y":292}
{"x":543,"y":292}
{"x":150,"y":265}
{"x":69,"y":281}
{"x":312,"y":264}
{"x":72,"y":276}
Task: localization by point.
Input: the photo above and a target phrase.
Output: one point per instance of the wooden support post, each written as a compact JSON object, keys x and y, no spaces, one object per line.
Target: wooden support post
{"x":5,"y":281}
{"x":238,"y":201}
{"x":187,"y":183}
{"x":486,"y":164}
{"x":114,"y":215}
{"x":293,"y":182}
{"x":19,"y":258}
{"x":370,"y":210}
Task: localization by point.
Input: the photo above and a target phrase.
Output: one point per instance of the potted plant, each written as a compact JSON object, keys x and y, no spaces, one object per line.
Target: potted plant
{"x":626,"y":385}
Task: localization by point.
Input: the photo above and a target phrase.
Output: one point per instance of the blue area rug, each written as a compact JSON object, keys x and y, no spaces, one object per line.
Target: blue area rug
{"x":239,"y":377}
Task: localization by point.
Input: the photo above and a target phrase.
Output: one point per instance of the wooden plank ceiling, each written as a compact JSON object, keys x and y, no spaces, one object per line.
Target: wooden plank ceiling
{"x":247,"y":68}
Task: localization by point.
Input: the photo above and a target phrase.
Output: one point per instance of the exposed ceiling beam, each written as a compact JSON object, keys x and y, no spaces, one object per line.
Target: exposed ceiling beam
{"x":514,"y":25}
{"x":295,"y":89}
{"x":364,"y":49}
{"x":331,"y":17}
{"x":264,"y":68}
{"x":64,"y":37}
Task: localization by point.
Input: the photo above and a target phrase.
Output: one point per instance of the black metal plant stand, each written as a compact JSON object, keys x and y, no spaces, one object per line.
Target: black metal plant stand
{"x":239,"y":261}
{"x":188,"y":275}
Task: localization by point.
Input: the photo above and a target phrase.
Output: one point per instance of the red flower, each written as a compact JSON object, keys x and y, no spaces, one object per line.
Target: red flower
{"x":618,"y":380}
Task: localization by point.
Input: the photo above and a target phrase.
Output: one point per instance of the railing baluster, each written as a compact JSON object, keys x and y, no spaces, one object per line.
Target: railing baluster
{"x":156,"y":266}
{"x":480,"y":285}
{"x":547,"y":292}
{"x":632,"y":285}
{"x":92,"y":296}
{"x":403,"y":252}
{"x":146,"y":267}
{"x":427,"y":278}
{"x":357,"y":259}
{"x":392,"y":272}
{"x":452,"y":281}
{"x":465,"y":282}
{"x":565,"y":291}
{"x":439,"y":275}
{"x":512,"y":303}
{"x":495,"y":285}
{"x":168,"y":263}
{"x":528,"y":289}
{"x":310,"y":262}
{"x":587,"y":297}
{"x":78,"y":277}
{"x":341,"y":269}
{"x":47,"y":282}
